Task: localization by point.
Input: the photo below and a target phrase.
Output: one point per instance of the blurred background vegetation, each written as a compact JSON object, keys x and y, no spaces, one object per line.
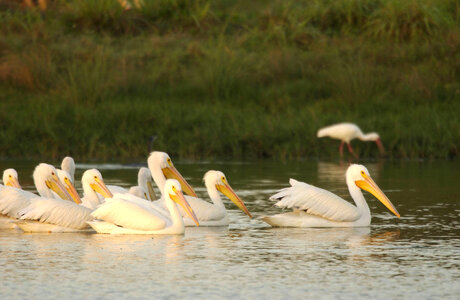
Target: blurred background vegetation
{"x":228,"y":79}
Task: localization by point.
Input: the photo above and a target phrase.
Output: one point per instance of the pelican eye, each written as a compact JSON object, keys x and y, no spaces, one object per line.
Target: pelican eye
{"x":95,"y":177}
{"x":10,"y":176}
{"x":362,"y":173}
{"x":52,"y":173}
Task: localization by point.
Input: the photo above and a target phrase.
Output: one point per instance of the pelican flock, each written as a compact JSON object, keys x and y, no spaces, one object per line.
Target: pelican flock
{"x":110,"y":209}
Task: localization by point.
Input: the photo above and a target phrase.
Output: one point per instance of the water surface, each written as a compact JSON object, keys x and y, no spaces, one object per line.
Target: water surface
{"x":416,"y":256}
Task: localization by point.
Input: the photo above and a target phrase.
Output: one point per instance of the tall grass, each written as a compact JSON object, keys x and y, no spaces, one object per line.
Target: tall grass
{"x":228,"y":79}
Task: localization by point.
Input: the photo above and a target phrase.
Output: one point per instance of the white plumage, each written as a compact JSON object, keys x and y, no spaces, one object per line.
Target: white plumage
{"x":315,"y":207}
{"x":58,"y":215}
{"x":13,"y":200}
{"x":211,"y":214}
{"x":125,"y":215}
{"x":56,"y":212}
{"x":316,"y":201}
{"x":10,"y":178}
{"x":68,"y":165}
{"x":144,"y":181}
{"x":347,"y":132}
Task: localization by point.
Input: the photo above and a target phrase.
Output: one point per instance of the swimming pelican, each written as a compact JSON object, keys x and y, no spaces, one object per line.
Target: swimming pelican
{"x":93,"y":186}
{"x":125,"y":217}
{"x":212,"y":214}
{"x":67,"y":182}
{"x":68,"y":165}
{"x":138,"y":192}
{"x":144,"y":181}
{"x":161,"y":167}
{"x":347,"y":132}
{"x":10,"y":178}
{"x":13,"y":200}
{"x":58,"y":215}
{"x":315,"y":207}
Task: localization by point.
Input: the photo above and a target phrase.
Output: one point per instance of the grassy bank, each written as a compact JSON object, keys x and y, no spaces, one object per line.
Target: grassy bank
{"x":239,"y":79}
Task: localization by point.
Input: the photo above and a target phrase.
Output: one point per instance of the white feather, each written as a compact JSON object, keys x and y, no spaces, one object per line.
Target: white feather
{"x":115,"y":189}
{"x":316,"y":201}
{"x":58,"y":212}
{"x":128,"y":214}
{"x":12,"y":200}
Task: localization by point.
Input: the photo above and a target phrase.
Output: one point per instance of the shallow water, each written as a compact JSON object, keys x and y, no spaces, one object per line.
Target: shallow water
{"x":416,"y":256}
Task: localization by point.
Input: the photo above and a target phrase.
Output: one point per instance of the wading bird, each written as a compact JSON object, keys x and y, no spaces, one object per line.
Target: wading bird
{"x":119,"y":216}
{"x":347,"y":132}
{"x":315,"y":207}
{"x":212,"y":214}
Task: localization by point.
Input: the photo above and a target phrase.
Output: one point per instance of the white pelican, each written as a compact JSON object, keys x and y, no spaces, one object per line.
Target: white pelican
{"x":120,"y":216}
{"x":68,"y":165}
{"x":161,"y":167}
{"x":10,"y":178}
{"x":58,"y":215}
{"x":144,"y":181}
{"x":138,"y":192}
{"x":13,"y":200}
{"x":315,"y":207}
{"x":347,"y":132}
{"x":212,"y":214}
{"x":67,"y":182}
{"x":93,"y":184}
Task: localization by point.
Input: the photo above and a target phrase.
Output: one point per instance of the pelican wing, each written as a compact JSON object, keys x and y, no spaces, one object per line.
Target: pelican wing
{"x":114,"y":189}
{"x":58,"y":212}
{"x":127,"y":214}
{"x":316,"y":201}
{"x":147,"y":205}
{"x":12,"y":200}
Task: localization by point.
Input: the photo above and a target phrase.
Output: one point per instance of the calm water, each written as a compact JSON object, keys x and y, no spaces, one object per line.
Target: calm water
{"x":417,"y":256}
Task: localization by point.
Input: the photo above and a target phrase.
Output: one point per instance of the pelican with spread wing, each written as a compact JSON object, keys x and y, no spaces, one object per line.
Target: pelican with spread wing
{"x":315,"y":207}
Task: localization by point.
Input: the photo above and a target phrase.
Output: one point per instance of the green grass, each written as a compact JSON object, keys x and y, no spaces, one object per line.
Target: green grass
{"x":228,"y":79}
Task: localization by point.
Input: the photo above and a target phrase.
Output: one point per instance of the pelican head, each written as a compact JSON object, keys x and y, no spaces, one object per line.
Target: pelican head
{"x":173,"y":190}
{"x":93,"y":178}
{"x":217,"y":178}
{"x":138,"y":191}
{"x":162,"y":160}
{"x":10,"y":178}
{"x":46,"y":181}
{"x":361,"y":178}
{"x":144,"y":179}
{"x":66,"y":180}
{"x":68,"y":165}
